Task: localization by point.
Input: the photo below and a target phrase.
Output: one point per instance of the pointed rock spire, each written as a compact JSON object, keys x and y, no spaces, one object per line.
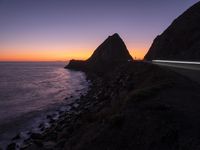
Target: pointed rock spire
{"x":112,"y":52}
{"x":113,"y":49}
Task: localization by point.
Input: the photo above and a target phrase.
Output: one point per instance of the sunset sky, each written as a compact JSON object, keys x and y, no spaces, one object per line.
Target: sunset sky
{"x":58,"y":30}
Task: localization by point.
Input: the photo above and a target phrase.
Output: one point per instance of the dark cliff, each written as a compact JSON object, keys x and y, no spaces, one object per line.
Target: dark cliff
{"x":181,"y":41}
{"x":112,"y":52}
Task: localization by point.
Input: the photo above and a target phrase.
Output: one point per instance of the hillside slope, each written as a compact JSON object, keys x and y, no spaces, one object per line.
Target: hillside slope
{"x":181,"y":40}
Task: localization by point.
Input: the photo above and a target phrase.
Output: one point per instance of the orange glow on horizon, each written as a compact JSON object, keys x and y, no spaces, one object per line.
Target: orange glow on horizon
{"x":55,"y":55}
{"x":43,"y":55}
{"x":137,"y":55}
{"x":55,"y":51}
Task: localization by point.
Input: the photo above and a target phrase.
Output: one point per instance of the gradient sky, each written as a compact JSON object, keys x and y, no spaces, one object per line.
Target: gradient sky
{"x":36,"y":30}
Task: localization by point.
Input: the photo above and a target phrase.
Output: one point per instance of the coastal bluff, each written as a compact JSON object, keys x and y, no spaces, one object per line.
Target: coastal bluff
{"x":111,"y":53}
{"x":181,"y":40}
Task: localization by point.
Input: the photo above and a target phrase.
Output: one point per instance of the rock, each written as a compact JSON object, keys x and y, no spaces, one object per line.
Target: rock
{"x":49,"y":145}
{"x":25,"y":146}
{"x":112,"y":49}
{"x":82,"y":96}
{"x":38,"y":143}
{"x":109,"y":54}
{"x":36,"y":136}
{"x":52,"y":121}
{"x":33,"y":146}
{"x":75,"y":105}
{"x":181,"y":40}
{"x":49,"y":117}
{"x":11,"y":146}
{"x":61,"y":112}
{"x":41,"y":125}
{"x":61,"y":143}
{"x":16,"y":137}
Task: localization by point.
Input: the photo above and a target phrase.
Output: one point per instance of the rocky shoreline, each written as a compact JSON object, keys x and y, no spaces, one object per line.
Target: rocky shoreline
{"x":82,"y":110}
{"x":135,"y":105}
{"x":59,"y":120}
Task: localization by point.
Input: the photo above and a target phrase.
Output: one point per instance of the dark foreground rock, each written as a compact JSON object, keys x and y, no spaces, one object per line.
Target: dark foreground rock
{"x":135,"y":106}
{"x":111,"y":53}
{"x":181,"y":41}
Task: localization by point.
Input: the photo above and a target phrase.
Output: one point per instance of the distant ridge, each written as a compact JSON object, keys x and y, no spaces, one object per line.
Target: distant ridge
{"x":112,"y":52}
{"x":181,"y":40}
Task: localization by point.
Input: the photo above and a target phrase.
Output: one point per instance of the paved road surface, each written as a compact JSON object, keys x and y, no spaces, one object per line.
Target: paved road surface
{"x":189,"y":69}
{"x":185,"y":99}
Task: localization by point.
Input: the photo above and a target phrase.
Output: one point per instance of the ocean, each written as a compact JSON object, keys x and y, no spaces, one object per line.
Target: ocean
{"x":29,"y":91}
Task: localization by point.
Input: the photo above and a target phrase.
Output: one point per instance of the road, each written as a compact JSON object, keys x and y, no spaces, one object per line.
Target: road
{"x":188,"y":69}
{"x":184,"y":97}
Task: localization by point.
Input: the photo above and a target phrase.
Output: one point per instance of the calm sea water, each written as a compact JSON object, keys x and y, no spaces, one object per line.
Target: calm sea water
{"x":30,"y":90}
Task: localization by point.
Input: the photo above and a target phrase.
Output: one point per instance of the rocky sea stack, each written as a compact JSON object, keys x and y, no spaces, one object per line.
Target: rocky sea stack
{"x":181,"y":41}
{"x":109,"y":54}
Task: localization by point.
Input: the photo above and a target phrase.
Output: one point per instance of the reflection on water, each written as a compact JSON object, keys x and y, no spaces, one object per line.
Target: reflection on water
{"x":27,"y":89}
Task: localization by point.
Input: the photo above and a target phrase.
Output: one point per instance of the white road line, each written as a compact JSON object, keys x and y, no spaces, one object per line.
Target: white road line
{"x":176,"y":62}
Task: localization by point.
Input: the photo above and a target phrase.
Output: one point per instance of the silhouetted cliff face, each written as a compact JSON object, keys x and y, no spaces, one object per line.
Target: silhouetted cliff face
{"x":181,"y":41}
{"x":112,"y":49}
{"x":112,"y":52}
